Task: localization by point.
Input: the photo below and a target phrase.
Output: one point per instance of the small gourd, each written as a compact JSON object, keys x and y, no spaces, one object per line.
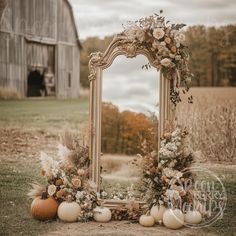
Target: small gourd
{"x":102,"y":214}
{"x":173,"y":218}
{"x":44,"y":207}
{"x":193,"y":217}
{"x":157,"y":212}
{"x":69,"y":211}
{"x":146,"y":220}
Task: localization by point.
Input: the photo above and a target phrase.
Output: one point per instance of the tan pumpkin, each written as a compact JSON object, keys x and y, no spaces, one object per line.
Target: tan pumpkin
{"x":102,"y":214}
{"x":69,"y":210}
{"x":157,"y":212}
{"x":146,"y":220}
{"x":193,"y":217}
{"x":44,"y":207}
{"x":173,"y":218}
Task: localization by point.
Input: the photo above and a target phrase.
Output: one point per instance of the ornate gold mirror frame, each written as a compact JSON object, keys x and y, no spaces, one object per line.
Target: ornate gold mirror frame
{"x":120,"y":45}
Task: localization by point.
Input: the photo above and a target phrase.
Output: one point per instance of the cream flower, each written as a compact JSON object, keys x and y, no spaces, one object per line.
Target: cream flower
{"x":140,"y":35}
{"x":172,"y":194}
{"x":179,"y":38}
{"x":51,"y":189}
{"x":166,"y":62}
{"x":167,"y":40}
{"x":79,"y":195}
{"x":134,"y":34}
{"x":158,"y":33}
{"x":131,"y":34}
{"x":163,"y":43}
{"x":76,"y":182}
{"x":177,"y":57}
{"x":81,"y":172}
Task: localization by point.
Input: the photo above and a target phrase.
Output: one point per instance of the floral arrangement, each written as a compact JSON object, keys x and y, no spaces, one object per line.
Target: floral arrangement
{"x":166,"y":43}
{"x":175,"y":155}
{"x":68,"y":182}
{"x":68,"y":177}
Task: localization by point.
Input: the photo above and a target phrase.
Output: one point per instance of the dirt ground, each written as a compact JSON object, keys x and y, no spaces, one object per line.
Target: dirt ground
{"x":25,"y":145}
{"x":117,"y":228}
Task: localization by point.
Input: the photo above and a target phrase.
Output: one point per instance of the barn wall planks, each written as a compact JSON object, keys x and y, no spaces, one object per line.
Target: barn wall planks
{"x":12,"y":63}
{"x":39,"y":33}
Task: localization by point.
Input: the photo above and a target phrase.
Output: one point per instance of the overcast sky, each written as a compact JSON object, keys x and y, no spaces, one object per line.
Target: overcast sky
{"x":105,"y":17}
{"x":130,"y":87}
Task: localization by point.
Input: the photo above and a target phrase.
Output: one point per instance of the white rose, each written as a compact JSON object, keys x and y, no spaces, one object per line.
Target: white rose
{"x":166,"y":62}
{"x":179,"y":38}
{"x":131,"y":34}
{"x":158,"y":33}
{"x":177,"y":57}
{"x":51,"y":189}
{"x":163,"y":43}
{"x":140,"y":35}
{"x":79,"y":195}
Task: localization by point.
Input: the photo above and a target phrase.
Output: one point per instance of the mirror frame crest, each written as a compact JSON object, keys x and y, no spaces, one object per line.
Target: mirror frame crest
{"x":120,"y":45}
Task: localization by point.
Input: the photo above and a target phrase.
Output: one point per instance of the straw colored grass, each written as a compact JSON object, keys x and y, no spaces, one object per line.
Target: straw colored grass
{"x":211,"y":120}
{"x":8,"y":94}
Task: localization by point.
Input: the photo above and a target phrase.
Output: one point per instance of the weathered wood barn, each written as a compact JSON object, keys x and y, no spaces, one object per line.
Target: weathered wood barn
{"x":39,"y":48}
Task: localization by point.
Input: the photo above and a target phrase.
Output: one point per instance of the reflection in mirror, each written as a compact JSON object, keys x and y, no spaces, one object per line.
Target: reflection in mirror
{"x":130,"y":110}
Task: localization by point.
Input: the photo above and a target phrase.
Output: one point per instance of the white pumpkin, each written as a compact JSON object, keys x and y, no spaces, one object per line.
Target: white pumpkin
{"x":69,"y":211}
{"x":157,"y":212}
{"x":193,"y":217}
{"x":102,"y":214}
{"x":146,"y":220}
{"x":173,"y":219}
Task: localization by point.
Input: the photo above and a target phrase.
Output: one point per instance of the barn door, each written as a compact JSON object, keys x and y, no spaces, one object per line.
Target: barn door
{"x":40,"y":62}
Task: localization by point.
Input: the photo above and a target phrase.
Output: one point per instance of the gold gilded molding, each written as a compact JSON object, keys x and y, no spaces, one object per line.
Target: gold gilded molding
{"x":120,"y":45}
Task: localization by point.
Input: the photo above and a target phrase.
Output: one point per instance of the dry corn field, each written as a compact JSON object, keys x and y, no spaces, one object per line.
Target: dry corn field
{"x":211,"y":121}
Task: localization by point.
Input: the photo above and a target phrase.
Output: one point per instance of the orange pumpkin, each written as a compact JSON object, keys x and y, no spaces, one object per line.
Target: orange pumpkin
{"x":44,"y":207}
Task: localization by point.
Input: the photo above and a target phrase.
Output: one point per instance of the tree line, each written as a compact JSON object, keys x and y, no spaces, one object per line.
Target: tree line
{"x":123,"y":132}
{"x":213,"y":54}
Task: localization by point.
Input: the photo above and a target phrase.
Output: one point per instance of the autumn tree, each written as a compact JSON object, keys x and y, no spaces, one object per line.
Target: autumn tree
{"x":123,"y":132}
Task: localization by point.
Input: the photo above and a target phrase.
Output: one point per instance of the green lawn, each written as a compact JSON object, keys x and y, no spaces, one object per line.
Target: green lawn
{"x":43,"y":113}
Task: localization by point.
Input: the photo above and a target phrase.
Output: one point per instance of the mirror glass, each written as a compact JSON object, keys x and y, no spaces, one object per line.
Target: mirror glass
{"x":130,"y":111}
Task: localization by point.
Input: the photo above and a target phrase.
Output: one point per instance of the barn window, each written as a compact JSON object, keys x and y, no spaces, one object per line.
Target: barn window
{"x":69,"y":80}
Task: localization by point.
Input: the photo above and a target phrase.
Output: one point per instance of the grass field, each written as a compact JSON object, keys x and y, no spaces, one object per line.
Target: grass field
{"x":29,"y":126}
{"x":44,"y":114}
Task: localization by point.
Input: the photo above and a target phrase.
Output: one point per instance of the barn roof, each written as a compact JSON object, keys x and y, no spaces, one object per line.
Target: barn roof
{"x":3,"y":4}
{"x":74,"y":22}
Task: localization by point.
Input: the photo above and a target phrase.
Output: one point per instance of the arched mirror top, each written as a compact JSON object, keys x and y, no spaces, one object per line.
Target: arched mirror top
{"x":120,"y":45}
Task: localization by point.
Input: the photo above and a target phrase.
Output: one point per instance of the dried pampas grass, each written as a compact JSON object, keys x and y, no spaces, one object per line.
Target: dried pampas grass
{"x":73,"y":148}
{"x":36,"y":190}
